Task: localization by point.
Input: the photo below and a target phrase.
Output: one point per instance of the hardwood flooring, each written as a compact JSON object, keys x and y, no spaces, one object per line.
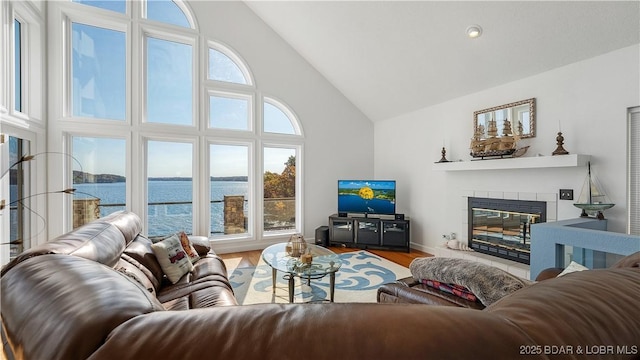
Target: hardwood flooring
{"x":251,"y":258}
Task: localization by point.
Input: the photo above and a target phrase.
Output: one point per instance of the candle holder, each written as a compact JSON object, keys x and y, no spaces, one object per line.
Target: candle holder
{"x":560,"y":149}
{"x":443,"y":159}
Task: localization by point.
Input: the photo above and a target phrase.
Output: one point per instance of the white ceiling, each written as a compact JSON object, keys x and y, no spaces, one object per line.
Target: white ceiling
{"x":394,"y":57}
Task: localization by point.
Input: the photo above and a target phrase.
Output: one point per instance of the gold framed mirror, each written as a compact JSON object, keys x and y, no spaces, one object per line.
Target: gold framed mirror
{"x":520,"y":115}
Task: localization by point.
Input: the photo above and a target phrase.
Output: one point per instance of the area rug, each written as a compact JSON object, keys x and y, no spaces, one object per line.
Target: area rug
{"x":358,"y":280}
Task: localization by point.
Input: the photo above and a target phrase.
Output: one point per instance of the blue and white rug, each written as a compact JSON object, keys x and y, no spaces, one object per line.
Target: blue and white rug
{"x":358,"y":280}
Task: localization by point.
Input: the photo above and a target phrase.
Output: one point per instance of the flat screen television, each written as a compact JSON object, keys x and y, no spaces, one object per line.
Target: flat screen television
{"x":367,"y":196}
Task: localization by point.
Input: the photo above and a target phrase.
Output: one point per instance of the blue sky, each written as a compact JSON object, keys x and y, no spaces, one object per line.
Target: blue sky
{"x":169,"y":159}
{"x":100,"y":91}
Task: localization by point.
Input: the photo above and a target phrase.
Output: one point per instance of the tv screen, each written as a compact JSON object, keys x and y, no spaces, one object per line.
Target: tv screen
{"x":367,"y":196}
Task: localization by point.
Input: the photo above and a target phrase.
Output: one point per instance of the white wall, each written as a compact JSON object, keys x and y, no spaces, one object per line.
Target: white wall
{"x":590,"y":99}
{"x":338,"y":137}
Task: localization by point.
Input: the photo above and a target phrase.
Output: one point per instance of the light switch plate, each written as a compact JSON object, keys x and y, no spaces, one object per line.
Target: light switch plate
{"x":566,"y":194}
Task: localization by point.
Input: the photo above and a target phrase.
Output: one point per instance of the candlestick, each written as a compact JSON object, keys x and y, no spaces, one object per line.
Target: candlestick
{"x":443,"y":159}
{"x":560,"y":149}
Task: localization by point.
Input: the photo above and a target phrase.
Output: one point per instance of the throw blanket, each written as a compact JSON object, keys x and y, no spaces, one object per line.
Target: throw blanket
{"x":488,"y":283}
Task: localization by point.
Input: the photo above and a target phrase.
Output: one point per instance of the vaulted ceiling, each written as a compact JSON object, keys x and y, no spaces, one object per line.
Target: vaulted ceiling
{"x":394,"y":57}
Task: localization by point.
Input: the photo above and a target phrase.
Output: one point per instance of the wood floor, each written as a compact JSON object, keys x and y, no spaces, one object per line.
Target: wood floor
{"x":251,"y":258}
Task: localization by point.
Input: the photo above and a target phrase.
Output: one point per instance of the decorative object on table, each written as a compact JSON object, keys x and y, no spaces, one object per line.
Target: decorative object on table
{"x":358,"y":280}
{"x":593,"y":201}
{"x":560,"y":149}
{"x":443,"y":159}
{"x":306,"y":258}
{"x":296,"y":245}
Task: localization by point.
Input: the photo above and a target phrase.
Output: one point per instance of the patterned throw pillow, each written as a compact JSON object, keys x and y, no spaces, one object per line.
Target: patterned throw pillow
{"x":573,"y":267}
{"x":453,"y":289}
{"x":172,"y":258}
{"x":188,"y":248}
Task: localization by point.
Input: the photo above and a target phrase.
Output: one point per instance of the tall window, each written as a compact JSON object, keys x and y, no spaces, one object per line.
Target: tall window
{"x":279,"y":188}
{"x":17,"y":52}
{"x":23,"y":209}
{"x":19,"y":198}
{"x":229,"y":169}
{"x":190,"y":124}
{"x":169,"y":187}
{"x":99,"y":178}
{"x":633,"y":158}
{"x":98,"y":70}
{"x":169,"y":82}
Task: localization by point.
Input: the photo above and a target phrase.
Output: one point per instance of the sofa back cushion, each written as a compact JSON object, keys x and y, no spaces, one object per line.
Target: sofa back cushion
{"x":64,"y":307}
{"x":140,"y":251}
{"x":632,"y":260}
{"x":593,"y":307}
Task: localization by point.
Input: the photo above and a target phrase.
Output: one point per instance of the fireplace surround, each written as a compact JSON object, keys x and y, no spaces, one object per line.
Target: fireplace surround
{"x":502,"y":227}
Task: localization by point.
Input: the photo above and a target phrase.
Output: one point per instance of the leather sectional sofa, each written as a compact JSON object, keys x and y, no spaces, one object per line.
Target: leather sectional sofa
{"x":94,"y":293}
{"x":412,"y":291}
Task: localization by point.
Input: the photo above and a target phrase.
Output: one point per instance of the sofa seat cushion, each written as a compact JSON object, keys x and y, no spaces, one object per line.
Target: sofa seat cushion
{"x":205,"y":286}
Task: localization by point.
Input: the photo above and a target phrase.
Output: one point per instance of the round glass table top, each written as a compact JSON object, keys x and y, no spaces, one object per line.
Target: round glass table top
{"x":324,"y":260}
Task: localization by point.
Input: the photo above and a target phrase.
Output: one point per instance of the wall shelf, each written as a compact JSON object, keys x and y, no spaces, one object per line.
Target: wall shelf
{"x":533,"y":162}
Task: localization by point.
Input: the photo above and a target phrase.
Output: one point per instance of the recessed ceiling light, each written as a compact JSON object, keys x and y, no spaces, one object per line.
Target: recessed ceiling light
{"x":474,"y":31}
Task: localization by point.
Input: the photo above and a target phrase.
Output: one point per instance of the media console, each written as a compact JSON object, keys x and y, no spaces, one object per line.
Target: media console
{"x":368,"y":232}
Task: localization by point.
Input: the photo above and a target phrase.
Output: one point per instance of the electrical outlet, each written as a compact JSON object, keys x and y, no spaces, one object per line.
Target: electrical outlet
{"x":566,"y":194}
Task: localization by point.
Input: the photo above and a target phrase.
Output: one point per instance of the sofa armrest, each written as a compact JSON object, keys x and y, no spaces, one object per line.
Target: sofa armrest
{"x":549,"y":273}
{"x":409,"y":290}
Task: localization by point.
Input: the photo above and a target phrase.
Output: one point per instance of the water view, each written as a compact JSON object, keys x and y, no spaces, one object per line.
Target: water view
{"x":170,"y":202}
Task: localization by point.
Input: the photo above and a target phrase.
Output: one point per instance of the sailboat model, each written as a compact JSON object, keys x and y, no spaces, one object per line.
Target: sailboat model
{"x":592,"y":200}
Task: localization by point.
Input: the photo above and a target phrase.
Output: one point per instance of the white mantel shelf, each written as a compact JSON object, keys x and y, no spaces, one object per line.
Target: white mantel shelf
{"x":533,"y":162}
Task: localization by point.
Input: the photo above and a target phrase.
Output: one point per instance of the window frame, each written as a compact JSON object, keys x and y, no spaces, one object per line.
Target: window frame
{"x":633,"y":169}
{"x":28,"y":123}
{"x":233,"y":56}
{"x":251,"y":180}
{"x":138,"y":131}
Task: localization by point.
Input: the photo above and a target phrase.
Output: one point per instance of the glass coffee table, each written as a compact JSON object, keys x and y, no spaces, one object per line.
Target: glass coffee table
{"x":325,"y":262}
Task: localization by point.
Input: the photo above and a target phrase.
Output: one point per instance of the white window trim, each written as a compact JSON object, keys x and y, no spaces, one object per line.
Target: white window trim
{"x":633,"y":171}
{"x":138,"y":132}
{"x":231,"y":54}
{"x":252,"y":222}
{"x":297,"y":127}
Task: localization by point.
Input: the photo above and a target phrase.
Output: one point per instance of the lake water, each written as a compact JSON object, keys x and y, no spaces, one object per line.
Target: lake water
{"x":163,"y":218}
{"x":168,"y":218}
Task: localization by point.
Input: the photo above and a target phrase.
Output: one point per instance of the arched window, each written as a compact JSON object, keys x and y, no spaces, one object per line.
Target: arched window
{"x":170,"y":118}
{"x":223,"y":68}
{"x":278,"y":119}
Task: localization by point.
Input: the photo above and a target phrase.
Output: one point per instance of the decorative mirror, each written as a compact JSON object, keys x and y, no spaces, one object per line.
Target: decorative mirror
{"x":519,"y":116}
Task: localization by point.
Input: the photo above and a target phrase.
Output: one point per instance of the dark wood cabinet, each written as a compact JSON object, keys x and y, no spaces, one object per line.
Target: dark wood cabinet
{"x":368,"y":232}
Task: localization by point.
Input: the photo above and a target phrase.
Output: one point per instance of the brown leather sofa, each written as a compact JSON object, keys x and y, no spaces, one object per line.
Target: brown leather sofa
{"x":411,"y":291}
{"x":77,"y":297}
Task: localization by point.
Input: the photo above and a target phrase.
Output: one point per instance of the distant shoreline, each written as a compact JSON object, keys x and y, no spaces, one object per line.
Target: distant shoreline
{"x":80,"y":177}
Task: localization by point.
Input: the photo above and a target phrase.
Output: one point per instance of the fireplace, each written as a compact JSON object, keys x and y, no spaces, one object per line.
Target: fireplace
{"x":502,"y":227}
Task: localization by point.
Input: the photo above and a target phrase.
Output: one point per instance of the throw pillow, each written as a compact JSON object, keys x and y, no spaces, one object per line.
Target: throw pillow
{"x":573,"y":267}
{"x":489,"y":284}
{"x":172,"y":258}
{"x":188,"y":248}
